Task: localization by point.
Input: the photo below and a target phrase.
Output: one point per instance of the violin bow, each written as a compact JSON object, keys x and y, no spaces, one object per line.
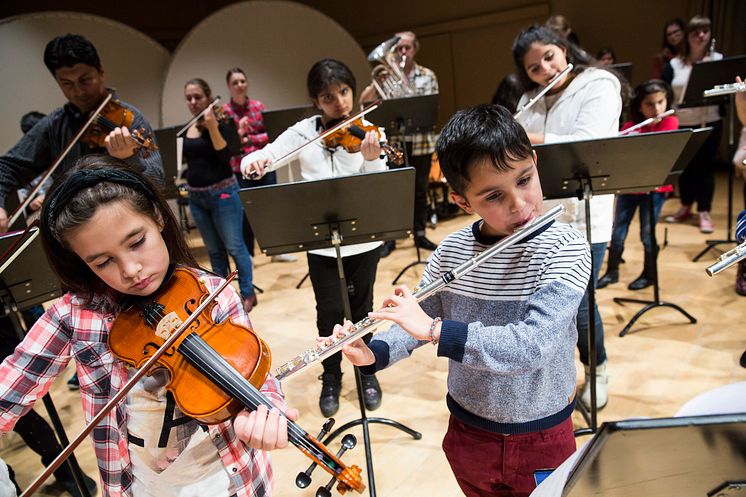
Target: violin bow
{"x":291,"y":155}
{"x":32,"y":194}
{"x":126,"y":388}
{"x":199,"y":116}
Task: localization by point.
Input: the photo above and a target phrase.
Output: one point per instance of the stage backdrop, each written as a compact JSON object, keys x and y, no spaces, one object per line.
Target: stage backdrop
{"x":134,"y":64}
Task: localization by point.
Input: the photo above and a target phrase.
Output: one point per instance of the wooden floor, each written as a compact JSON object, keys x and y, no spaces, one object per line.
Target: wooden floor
{"x":654,"y":370}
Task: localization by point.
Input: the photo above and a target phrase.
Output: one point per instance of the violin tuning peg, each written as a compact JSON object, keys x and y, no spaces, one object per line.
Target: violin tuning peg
{"x":328,"y":424}
{"x":349,"y":441}
{"x":302,"y":480}
{"x":326,"y":490}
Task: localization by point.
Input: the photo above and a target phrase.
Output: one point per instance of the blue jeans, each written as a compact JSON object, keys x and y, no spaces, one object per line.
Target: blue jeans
{"x":626,"y":205}
{"x":219,"y":215}
{"x":598,"y":251}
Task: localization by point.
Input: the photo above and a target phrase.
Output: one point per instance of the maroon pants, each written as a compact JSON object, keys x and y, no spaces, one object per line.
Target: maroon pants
{"x":489,"y":464}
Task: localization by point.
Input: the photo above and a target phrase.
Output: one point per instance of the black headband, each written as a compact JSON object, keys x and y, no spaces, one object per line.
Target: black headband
{"x":85,"y":178}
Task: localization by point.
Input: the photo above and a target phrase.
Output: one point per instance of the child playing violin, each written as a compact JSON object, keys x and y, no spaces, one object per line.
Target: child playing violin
{"x":111,"y":237}
{"x":508,"y":328}
{"x":331,"y":87}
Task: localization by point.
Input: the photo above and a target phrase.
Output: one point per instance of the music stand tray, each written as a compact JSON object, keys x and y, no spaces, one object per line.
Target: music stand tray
{"x":292,"y":217}
{"x":167,"y":145}
{"x":695,"y":456}
{"x":407,"y":115}
{"x":278,"y":120}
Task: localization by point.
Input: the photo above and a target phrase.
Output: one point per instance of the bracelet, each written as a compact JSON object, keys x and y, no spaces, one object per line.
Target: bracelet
{"x":431,"y":333}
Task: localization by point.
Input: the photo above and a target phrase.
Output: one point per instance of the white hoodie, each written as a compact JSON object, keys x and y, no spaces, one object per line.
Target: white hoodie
{"x":588,"y":108}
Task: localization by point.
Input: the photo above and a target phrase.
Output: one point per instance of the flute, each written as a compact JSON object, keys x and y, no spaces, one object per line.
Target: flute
{"x":718,"y":90}
{"x":647,"y":121}
{"x":548,"y":87}
{"x":367,"y":325}
{"x":728,"y":259}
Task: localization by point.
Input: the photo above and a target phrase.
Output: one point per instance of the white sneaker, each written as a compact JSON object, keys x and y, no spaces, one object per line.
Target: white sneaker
{"x":284,"y":258}
{"x":602,"y":388}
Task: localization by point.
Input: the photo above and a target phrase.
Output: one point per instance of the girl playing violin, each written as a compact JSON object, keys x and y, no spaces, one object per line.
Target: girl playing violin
{"x":213,"y":190}
{"x":111,"y":238}
{"x":331,"y":87}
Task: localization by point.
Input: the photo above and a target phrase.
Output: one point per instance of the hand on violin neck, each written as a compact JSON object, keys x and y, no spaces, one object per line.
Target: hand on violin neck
{"x":120,"y":144}
{"x":370,"y":147}
{"x":264,"y":429}
{"x":209,"y":120}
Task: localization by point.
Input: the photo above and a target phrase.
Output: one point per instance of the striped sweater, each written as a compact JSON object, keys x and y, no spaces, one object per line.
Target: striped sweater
{"x":508,"y":328}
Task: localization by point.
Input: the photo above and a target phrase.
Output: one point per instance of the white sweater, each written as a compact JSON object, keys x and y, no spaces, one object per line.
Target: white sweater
{"x":318,"y":162}
{"x":588,"y":108}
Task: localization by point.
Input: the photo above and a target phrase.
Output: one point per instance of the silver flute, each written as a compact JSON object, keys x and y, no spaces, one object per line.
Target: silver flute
{"x":726,"y":89}
{"x":728,"y":259}
{"x":647,"y":121}
{"x":367,"y":325}
{"x":548,"y":87}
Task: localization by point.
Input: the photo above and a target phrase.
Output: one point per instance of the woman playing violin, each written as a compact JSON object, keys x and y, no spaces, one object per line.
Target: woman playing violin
{"x":213,"y":190}
{"x":331,"y":87}
{"x":113,"y":242}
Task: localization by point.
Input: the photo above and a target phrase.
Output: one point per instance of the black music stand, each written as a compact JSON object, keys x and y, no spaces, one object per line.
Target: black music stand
{"x":404,"y":117}
{"x":278,"y":120}
{"x":334,"y":212}
{"x":28,"y":281}
{"x":624,"y":69}
{"x":701,"y":456}
{"x":582,"y":169}
{"x":690,"y":149}
{"x":705,"y":76}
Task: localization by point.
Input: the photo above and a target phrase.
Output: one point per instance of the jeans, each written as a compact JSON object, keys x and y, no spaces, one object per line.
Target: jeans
{"x":626,"y":204}
{"x":598,"y":251}
{"x":219,"y":215}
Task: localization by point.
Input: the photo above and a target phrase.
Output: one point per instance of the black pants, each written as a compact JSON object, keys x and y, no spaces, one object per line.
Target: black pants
{"x":421,"y":165}
{"x":360,"y":273}
{"x":268,"y":179}
{"x":697,"y":182}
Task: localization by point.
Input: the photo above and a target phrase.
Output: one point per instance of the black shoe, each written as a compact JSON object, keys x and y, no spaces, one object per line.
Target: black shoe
{"x":607,"y":279}
{"x":387,"y":247}
{"x":331,"y":384}
{"x":743,"y":360}
{"x":73,"y":383}
{"x":641,"y":282}
{"x":68,"y":483}
{"x":424,"y":243}
{"x":371,"y":392}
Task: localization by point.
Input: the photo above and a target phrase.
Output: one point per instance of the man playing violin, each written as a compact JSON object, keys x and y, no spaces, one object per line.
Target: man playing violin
{"x":76,"y":67}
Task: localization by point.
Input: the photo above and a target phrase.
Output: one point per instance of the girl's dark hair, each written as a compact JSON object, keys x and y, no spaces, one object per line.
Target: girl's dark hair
{"x":508,"y":92}
{"x":695,"y":23}
{"x":69,"y":50}
{"x":98,"y":180}
{"x":326,"y":72}
{"x":232,"y":71}
{"x":479,"y":133}
{"x":674,"y":49}
{"x":606,"y":51}
{"x":644,"y":89}
{"x":202,"y":84}
{"x":541,"y":34}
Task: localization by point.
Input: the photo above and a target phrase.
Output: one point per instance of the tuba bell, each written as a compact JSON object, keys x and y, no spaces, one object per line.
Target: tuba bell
{"x":388,"y":75}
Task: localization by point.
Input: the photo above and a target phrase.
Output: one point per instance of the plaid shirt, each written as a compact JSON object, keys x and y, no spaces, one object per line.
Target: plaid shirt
{"x":253,"y":134}
{"x":425,"y":83}
{"x":69,"y":329}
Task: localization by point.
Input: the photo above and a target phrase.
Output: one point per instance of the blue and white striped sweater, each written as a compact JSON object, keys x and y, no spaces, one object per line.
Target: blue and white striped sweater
{"x":509,"y":328}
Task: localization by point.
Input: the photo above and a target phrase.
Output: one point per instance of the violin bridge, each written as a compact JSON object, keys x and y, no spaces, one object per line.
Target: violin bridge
{"x":167,"y":325}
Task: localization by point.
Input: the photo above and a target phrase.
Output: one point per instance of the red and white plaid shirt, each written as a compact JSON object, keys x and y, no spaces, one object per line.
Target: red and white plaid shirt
{"x":251,"y":130}
{"x":69,"y":329}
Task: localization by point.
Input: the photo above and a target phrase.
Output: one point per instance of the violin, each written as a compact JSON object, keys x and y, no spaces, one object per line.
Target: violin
{"x":218,"y":110}
{"x":351,"y":137}
{"x":115,"y":115}
{"x":216,"y":368}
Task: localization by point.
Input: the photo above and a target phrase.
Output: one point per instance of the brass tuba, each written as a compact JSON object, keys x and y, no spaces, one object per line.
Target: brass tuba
{"x":388,"y":75}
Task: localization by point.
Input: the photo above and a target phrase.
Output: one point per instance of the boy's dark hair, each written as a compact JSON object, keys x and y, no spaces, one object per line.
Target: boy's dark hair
{"x":232,"y":71}
{"x":324,"y":73}
{"x":97,"y":180}
{"x":68,"y":50}
{"x":644,"y":89}
{"x":476,"y":134}
{"x":541,"y":34}
{"x":29,"y":120}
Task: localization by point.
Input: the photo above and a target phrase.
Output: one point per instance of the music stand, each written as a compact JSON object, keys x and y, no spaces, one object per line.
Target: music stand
{"x":278,"y":120}
{"x":334,"y":212}
{"x":624,"y":69}
{"x":28,"y":281}
{"x":669,"y":457}
{"x":704,"y":76}
{"x":581,"y":169}
{"x":403,"y":117}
